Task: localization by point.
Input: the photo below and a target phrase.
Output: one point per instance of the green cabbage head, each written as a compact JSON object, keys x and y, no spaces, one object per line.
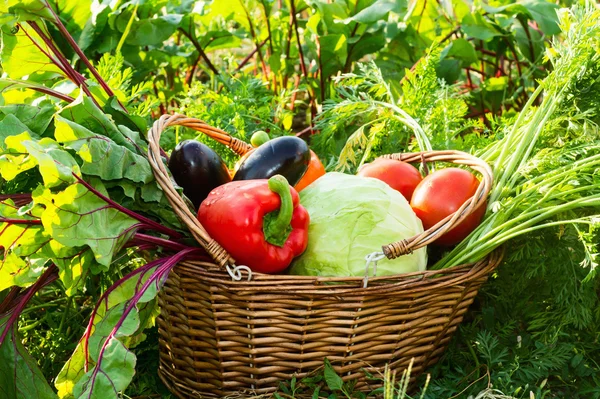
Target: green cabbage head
{"x":351,"y":217}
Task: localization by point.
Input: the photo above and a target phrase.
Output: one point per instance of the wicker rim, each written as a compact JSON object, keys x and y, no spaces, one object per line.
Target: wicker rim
{"x":478,"y":199}
{"x":409,"y":283}
{"x":391,"y":251}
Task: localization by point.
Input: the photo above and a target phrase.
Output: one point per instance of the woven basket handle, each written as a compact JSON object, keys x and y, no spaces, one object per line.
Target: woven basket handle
{"x":408,"y":245}
{"x":214,"y":249}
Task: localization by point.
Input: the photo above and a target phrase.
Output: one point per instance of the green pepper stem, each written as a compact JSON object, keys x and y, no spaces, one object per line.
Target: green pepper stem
{"x":276,"y":224}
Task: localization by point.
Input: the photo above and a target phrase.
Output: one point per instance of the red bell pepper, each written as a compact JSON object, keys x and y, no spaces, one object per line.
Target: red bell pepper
{"x":259,"y":222}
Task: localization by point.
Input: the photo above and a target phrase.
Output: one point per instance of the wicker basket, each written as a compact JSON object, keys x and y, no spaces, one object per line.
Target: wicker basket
{"x":220,"y":337}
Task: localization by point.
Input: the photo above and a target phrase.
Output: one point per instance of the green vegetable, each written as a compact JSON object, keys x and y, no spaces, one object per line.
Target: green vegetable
{"x":536,"y":185}
{"x":259,"y":138}
{"x":351,"y":217}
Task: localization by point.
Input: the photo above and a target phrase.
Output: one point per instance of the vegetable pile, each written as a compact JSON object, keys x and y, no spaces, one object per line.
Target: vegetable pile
{"x":83,"y":218}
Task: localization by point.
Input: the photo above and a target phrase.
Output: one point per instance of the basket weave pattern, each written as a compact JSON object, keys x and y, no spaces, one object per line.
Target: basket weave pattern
{"x":220,"y":337}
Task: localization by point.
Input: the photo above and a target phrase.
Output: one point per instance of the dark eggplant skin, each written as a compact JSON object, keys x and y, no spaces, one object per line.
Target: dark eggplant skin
{"x":198,"y":169}
{"x":288,"y":156}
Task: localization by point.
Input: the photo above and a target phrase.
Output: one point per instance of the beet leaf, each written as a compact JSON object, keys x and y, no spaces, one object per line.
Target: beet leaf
{"x":20,"y":376}
{"x":19,"y":58}
{"x":101,"y":365}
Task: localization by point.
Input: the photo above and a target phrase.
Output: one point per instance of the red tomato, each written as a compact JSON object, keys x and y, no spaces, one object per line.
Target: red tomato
{"x":441,"y":194}
{"x":314,"y":171}
{"x":400,"y":176}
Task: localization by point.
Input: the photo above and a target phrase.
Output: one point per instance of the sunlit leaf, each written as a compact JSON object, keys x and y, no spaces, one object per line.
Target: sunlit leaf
{"x":20,"y":376}
{"x":20,"y":56}
{"x":76,"y":217}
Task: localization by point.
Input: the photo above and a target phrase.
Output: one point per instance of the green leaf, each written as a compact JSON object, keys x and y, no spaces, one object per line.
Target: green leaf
{"x":111,"y":377}
{"x":531,"y":42}
{"x":75,"y":14}
{"x":85,"y":113}
{"x":55,"y":164}
{"x":218,"y":40}
{"x":74,"y":265}
{"x":101,"y":156}
{"x":133,"y":122}
{"x":28,"y":248}
{"x":460,"y":49}
{"x":474,"y":25}
{"x":35,"y":117}
{"x":16,"y":160}
{"x":151,"y":32}
{"x":17,"y":271}
{"x":496,"y":84}
{"x":11,"y":125}
{"x":20,"y":57}
{"x":150,"y":200}
{"x":333,"y":380}
{"x":330,"y":14}
{"x":544,"y":13}
{"x":71,"y":372}
{"x":460,"y":9}
{"x":107,"y":322}
{"x":20,"y":376}
{"x":26,"y":9}
{"x":95,"y":27}
{"x":275,"y":61}
{"x":369,"y":43}
{"x":377,"y":11}
{"x":76,"y":217}
{"x":20,"y":265}
{"x":334,"y":50}
{"x":121,"y":314}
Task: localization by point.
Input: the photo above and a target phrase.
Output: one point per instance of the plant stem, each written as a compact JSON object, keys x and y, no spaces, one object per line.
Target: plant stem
{"x":268,"y":25}
{"x":348,"y":62}
{"x":525,"y":26}
{"x":295,"y":22}
{"x":9,"y":299}
{"x":312,"y":100}
{"x":249,"y":56}
{"x":449,"y":35}
{"x":287,"y":48}
{"x":269,"y":37}
{"x":20,"y":221}
{"x":320,"y":72}
{"x":81,"y":55}
{"x":144,"y":238}
{"x":40,"y":88}
{"x":254,"y":37}
{"x":507,"y":147}
{"x":163,"y":266}
{"x":65,"y":314}
{"x":190,"y":74}
{"x":16,"y":197}
{"x":75,"y":76}
{"x":49,"y":276}
{"x":198,"y":47}
{"x":142,"y":219}
{"x":58,"y":59}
